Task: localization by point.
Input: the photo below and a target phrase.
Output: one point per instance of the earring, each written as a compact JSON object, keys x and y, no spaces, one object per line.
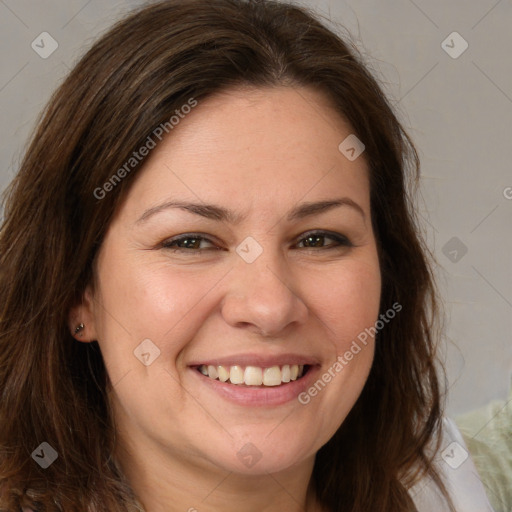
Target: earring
{"x":78,"y":328}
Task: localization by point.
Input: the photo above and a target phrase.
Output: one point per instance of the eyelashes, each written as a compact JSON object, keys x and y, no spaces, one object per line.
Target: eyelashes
{"x":191,"y":242}
{"x":314,"y":236}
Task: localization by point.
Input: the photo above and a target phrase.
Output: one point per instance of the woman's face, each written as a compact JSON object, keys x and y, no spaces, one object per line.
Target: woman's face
{"x":269,"y":264}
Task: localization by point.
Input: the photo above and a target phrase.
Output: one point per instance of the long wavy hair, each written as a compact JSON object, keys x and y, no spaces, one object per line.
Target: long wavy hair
{"x":55,"y":389}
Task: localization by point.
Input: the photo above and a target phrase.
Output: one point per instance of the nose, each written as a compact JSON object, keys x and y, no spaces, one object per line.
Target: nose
{"x":263,"y":296}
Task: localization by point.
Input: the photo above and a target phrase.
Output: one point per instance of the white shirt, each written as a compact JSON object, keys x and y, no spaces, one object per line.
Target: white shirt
{"x":458,"y":473}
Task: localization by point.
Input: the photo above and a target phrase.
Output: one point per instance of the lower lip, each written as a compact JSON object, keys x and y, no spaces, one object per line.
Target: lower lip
{"x":259,"y":396}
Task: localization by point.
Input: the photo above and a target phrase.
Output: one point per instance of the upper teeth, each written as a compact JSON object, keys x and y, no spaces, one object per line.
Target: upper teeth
{"x":253,"y":375}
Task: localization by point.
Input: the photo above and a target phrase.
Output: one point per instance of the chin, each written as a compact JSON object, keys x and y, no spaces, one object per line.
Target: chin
{"x":265,"y":452}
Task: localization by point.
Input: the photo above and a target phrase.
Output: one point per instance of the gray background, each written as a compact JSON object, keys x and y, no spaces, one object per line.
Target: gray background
{"x":458,"y":111}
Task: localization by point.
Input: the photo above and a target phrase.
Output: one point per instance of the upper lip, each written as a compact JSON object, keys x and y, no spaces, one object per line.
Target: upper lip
{"x":260,"y":360}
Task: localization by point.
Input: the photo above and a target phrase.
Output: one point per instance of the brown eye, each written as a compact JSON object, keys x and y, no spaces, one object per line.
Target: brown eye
{"x":316,"y":240}
{"x":187,"y":242}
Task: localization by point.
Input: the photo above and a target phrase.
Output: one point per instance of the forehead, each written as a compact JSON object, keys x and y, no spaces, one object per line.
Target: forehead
{"x":257,"y":146}
{"x":274,"y":118}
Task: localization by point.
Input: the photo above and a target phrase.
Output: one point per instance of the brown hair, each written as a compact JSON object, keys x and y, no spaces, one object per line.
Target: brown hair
{"x":54,"y":389}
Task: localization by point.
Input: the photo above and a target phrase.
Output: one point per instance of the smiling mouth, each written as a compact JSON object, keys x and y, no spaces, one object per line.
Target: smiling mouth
{"x":255,"y":376}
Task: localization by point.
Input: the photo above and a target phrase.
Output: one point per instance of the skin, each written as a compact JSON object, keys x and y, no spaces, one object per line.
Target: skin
{"x":260,"y":153}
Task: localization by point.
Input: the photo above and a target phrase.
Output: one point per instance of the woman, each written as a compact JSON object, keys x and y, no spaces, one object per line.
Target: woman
{"x":215,"y":296}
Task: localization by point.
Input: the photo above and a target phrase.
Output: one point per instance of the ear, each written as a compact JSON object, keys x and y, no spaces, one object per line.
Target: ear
{"x":81,"y":318}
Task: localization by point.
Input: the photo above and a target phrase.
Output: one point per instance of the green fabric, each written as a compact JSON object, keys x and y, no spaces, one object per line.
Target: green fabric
{"x":488,"y":435}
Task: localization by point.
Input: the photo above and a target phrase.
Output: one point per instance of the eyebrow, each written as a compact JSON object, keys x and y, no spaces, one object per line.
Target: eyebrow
{"x":219,"y":213}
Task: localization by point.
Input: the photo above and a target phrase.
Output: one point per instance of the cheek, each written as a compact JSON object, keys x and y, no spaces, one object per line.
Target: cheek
{"x":348,"y":306}
{"x":347,"y":300}
{"x":156,"y":302}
